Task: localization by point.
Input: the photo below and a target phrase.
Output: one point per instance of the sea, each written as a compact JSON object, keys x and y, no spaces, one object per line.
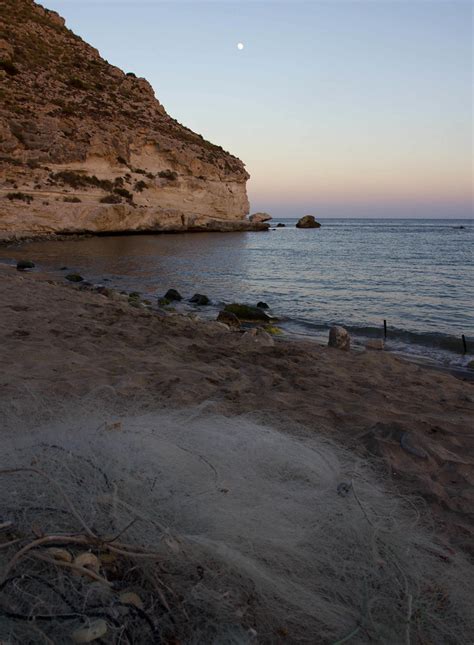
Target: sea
{"x":414,"y":274}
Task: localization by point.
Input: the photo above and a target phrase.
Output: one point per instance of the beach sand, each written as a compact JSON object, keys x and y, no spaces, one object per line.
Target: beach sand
{"x":61,"y":343}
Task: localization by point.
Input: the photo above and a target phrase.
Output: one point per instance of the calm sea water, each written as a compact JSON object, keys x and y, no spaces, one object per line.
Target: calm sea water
{"x":416,"y":274}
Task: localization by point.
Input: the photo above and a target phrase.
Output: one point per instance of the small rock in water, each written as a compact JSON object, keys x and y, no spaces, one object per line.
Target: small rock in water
{"x":339,"y":338}
{"x":280,"y":225}
{"x":470,"y":365}
{"x":74,"y":277}
{"x":200,"y":299}
{"x":172,"y":294}
{"x":64,"y":269}
{"x":228,"y":319}
{"x":375,"y":343}
{"x":21,"y":265}
{"x":262,"y":305}
{"x":307,"y":221}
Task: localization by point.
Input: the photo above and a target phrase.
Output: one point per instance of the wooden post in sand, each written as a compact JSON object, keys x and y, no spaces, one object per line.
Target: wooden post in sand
{"x":464,"y":344}
{"x":385,"y":329}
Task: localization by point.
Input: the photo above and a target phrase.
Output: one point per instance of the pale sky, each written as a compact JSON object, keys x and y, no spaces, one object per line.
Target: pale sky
{"x":346,"y":108}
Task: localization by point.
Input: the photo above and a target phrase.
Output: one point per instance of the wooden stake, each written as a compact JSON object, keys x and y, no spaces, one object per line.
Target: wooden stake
{"x":385,"y":329}
{"x":464,"y":344}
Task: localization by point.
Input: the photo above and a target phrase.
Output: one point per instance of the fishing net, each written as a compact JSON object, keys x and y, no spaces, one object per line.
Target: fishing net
{"x":188,"y":527}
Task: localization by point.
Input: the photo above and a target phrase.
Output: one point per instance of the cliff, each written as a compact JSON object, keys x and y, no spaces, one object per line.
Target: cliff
{"x":85,"y":147}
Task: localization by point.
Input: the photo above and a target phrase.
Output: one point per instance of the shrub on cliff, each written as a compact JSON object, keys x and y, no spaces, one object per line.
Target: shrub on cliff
{"x":78,"y":180}
{"x":20,"y":196}
{"x":123,"y":192}
{"x":140,"y":186}
{"x":170,"y":175}
{"x":111,"y":199}
{"x":9,"y":68}
{"x":77,"y":84}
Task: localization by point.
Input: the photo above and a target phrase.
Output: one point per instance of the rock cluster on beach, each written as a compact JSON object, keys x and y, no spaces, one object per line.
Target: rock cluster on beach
{"x":86,"y":147}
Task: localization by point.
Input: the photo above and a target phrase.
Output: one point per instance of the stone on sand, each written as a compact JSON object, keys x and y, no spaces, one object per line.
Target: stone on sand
{"x":339,"y":338}
{"x":21,"y":265}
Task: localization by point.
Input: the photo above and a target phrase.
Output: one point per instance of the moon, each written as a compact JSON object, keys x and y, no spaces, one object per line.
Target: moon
{"x":240,"y":46}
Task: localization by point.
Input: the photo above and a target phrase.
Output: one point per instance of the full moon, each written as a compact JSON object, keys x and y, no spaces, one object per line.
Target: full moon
{"x":240,"y":45}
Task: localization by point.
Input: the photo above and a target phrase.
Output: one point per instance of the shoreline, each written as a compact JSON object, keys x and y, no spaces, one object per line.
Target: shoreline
{"x":220,"y":226}
{"x":400,"y":342}
{"x":59,"y":341}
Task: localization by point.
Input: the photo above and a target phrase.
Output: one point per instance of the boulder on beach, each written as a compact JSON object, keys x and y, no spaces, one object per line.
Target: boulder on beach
{"x":74,"y":277}
{"x":229,"y":319}
{"x":172,"y":294}
{"x":262,"y":305}
{"x":307,"y":221}
{"x":21,"y":265}
{"x":259,"y":217}
{"x":246,"y":312}
{"x":200,"y":299}
{"x":339,"y":338}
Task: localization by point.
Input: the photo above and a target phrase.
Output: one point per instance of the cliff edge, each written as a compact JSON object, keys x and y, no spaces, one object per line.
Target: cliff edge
{"x":85,"y":147}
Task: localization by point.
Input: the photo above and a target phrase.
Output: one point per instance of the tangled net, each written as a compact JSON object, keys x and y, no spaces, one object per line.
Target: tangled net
{"x":196,"y":528}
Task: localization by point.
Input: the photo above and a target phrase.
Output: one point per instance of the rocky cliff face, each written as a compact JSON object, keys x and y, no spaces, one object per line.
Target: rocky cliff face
{"x":86,"y":147}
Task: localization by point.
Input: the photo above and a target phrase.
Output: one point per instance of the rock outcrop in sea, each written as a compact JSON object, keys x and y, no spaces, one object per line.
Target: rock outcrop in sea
{"x":86,"y":147}
{"x":307,"y":221}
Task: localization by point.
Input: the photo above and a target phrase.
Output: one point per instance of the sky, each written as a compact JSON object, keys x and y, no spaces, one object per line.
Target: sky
{"x":338,"y":108}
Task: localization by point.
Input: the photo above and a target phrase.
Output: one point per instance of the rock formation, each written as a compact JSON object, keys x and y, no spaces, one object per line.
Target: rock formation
{"x":85,"y":147}
{"x":260,"y":217}
{"x":307,"y":221}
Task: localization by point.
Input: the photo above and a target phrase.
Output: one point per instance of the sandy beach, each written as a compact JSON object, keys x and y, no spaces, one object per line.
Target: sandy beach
{"x":60,"y":343}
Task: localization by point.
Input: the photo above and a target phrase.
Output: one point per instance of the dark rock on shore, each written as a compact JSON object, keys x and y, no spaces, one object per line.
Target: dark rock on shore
{"x":307,"y":221}
{"x":246,"y":312}
{"x":280,"y":225}
{"x":200,"y":299}
{"x":172,"y":294}
{"x":339,"y":338}
{"x":22,"y":265}
{"x":74,"y":277}
{"x":262,"y":305}
{"x":228,"y":319}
